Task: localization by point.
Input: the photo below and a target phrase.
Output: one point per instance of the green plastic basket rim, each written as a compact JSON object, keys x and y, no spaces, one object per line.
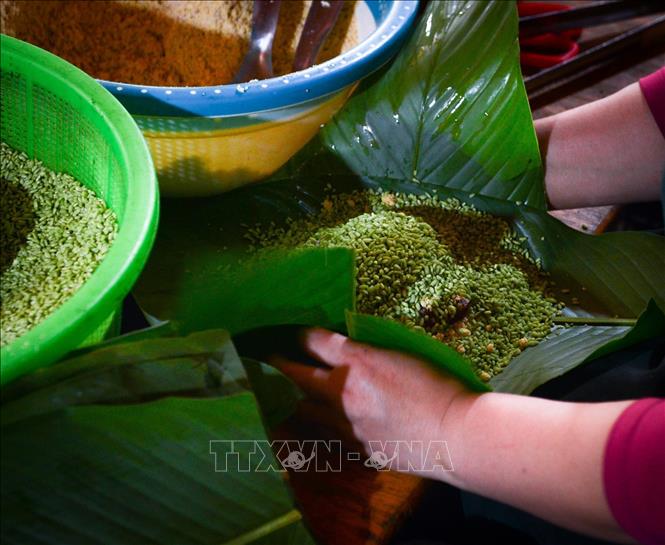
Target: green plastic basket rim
{"x":79,"y":316}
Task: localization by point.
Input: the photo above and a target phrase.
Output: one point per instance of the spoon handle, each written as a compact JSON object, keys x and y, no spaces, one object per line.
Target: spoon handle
{"x":320,"y":21}
{"x":258,"y":60}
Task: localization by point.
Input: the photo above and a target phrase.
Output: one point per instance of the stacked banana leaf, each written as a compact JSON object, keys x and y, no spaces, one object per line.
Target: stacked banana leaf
{"x":113,"y":445}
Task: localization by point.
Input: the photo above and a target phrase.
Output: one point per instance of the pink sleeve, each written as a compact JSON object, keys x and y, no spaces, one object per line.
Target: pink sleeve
{"x":634,"y":471}
{"x":653,"y":89}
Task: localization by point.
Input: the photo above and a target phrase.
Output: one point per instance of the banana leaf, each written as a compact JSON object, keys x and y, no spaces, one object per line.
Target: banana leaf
{"x":451,"y":111}
{"x":120,"y":445}
{"x":304,"y":287}
{"x":449,"y":116}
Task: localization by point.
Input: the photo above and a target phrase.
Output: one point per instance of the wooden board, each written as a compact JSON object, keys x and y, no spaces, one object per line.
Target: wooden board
{"x":353,"y":506}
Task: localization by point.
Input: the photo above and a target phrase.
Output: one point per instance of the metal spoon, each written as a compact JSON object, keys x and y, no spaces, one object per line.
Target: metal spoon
{"x":320,"y":21}
{"x":257,"y":63}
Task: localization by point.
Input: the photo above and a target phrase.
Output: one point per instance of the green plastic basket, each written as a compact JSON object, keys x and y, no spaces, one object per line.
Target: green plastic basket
{"x":56,"y":113}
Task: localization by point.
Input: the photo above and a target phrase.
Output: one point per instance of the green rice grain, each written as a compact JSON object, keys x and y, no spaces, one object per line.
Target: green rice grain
{"x":441,"y":266}
{"x":54,"y":233}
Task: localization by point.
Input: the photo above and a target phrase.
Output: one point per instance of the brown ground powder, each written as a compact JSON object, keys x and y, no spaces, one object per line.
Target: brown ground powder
{"x":159,"y":42}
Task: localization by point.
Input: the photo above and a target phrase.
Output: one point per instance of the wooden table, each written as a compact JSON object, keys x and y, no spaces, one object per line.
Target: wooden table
{"x":360,"y":506}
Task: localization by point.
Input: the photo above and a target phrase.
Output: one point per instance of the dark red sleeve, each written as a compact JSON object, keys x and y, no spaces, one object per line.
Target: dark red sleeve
{"x":634,"y":471}
{"x":653,"y":89}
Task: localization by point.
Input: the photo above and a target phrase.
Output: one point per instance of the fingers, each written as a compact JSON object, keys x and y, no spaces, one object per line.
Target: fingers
{"x":313,"y":380}
{"x":328,"y":347}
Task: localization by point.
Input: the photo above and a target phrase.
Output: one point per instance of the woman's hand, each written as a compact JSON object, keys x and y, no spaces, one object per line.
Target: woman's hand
{"x":543,"y":456}
{"x":368,"y":394}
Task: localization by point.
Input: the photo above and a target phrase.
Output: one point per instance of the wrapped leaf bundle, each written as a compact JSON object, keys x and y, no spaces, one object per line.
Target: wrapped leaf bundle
{"x":442,"y":267}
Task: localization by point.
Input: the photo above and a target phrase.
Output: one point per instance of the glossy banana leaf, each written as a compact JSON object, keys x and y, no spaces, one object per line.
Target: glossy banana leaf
{"x":451,"y":111}
{"x":420,"y":126}
{"x":118,"y":446}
